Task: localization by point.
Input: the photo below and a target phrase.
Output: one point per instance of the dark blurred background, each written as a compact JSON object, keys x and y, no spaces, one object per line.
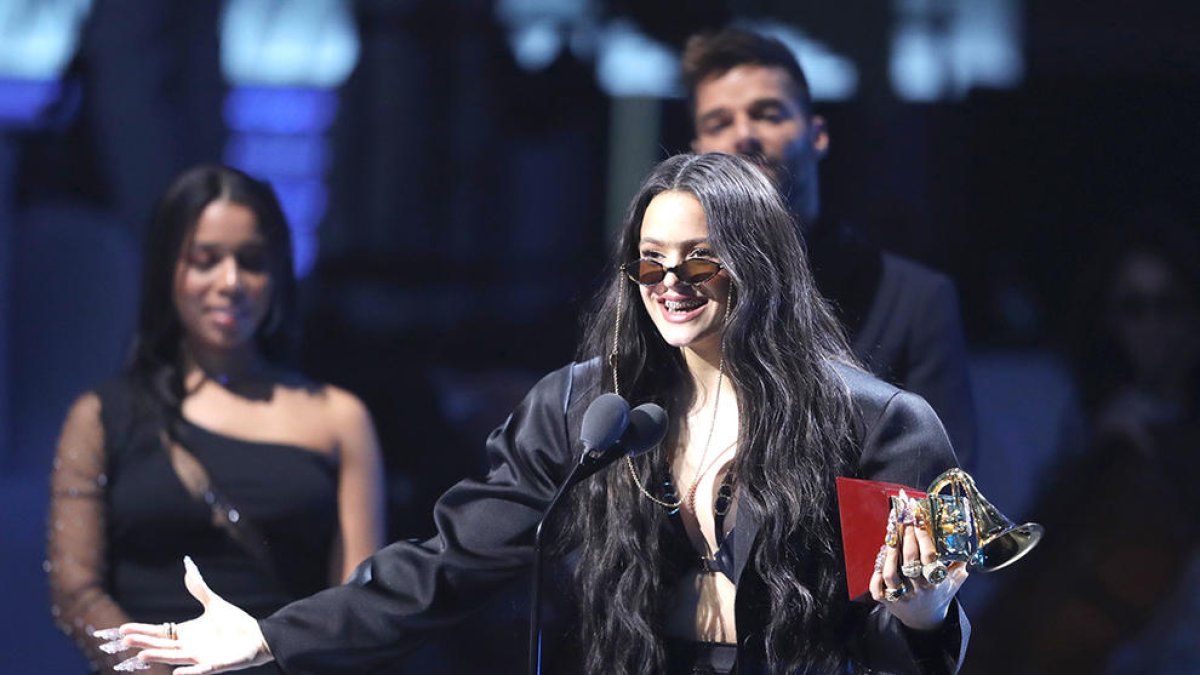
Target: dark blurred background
{"x":452,"y":171}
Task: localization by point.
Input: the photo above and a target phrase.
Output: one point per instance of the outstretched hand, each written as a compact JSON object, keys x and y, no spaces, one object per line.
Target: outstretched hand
{"x":221,"y":639}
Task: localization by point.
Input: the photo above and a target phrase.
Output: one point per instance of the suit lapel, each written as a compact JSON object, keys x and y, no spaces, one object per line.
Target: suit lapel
{"x":745,"y":531}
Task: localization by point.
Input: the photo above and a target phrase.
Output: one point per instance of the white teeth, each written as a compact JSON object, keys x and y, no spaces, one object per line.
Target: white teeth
{"x":682,"y":305}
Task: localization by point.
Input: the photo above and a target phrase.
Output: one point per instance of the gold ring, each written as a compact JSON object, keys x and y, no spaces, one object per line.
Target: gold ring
{"x":912,"y":569}
{"x":934,"y":572}
{"x":171,"y":634}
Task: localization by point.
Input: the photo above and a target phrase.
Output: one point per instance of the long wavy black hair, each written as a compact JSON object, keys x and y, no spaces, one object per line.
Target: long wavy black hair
{"x":779,"y":345}
{"x":156,"y":366}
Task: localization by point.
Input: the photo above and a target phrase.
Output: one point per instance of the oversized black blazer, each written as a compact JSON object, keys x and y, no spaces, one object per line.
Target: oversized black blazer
{"x":912,"y":336}
{"x":410,"y":589}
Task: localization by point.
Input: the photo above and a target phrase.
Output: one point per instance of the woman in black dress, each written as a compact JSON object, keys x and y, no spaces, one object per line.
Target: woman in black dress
{"x":209,"y":444}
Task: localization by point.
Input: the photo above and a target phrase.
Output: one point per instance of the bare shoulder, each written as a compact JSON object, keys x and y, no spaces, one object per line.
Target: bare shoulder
{"x":342,"y":413}
{"x":327,"y":415}
{"x":350,"y":424}
{"x":344,"y":406}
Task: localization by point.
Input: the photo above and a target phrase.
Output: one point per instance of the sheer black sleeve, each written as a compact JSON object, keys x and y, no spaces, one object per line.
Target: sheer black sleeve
{"x":76,"y":543}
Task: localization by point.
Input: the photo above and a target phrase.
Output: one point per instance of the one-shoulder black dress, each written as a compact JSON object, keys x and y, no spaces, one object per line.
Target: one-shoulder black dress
{"x":288,"y":493}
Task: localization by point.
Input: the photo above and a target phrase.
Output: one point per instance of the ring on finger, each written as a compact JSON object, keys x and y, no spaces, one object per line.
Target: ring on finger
{"x":894,"y":594}
{"x":912,"y":569}
{"x":934,"y":572}
{"x":172,"y":634}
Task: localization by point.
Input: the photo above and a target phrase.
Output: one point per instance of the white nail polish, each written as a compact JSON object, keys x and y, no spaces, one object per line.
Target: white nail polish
{"x":129,"y":665}
{"x":190,"y":565}
{"x":113,"y":647}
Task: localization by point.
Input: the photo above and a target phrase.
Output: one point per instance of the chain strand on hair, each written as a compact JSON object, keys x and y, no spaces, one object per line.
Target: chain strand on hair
{"x":637,"y":480}
{"x":613,"y":361}
{"x":613,"y":357}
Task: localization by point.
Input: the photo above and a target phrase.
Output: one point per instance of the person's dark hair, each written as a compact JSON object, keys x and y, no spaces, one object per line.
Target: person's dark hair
{"x":779,"y":349}
{"x":156,"y":365}
{"x":707,"y":55}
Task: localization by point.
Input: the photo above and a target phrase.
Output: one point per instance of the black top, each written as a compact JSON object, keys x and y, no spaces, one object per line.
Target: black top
{"x":722,"y":558}
{"x":288,"y":493}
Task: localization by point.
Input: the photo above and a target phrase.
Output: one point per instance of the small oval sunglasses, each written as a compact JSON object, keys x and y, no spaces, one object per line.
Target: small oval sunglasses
{"x":692,"y":272}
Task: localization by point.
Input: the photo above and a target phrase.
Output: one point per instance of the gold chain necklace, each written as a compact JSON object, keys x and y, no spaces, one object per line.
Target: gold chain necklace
{"x":613,"y":362}
{"x":702,"y":468}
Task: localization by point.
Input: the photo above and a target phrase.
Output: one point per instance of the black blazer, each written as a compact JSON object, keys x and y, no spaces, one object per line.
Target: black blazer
{"x":912,"y":336}
{"x":485,"y":533}
{"x":903,"y":322}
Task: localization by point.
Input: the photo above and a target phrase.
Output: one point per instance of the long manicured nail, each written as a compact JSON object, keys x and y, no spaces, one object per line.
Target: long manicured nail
{"x":129,"y":665}
{"x":114,"y":647}
{"x":190,"y":566}
{"x":107,"y":634}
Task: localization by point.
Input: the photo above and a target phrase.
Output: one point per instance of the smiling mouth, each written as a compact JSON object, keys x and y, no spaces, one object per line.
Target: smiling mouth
{"x":225,"y":316}
{"x":683,"y":306}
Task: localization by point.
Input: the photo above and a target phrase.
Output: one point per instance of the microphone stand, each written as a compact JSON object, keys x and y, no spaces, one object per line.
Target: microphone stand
{"x":641,"y":429}
{"x":581,"y":470}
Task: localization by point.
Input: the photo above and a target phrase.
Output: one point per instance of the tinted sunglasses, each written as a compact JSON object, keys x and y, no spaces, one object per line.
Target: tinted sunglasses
{"x":692,"y":271}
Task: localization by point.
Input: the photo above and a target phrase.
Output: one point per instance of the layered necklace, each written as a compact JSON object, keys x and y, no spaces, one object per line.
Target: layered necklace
{"x":705,"y":464}
{"x":703,"y":467}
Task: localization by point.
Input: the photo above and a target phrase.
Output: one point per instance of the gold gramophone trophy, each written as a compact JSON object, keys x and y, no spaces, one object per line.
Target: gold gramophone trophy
{"x":967,"y":528}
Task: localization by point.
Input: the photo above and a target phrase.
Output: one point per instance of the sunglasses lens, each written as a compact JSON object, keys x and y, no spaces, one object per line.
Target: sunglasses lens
{"x":649,"y":272}
{"x":697,"y":271}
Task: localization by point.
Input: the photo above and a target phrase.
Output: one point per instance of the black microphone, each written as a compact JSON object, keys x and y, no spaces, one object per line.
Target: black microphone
{"x":604,"y":422}
{"x":610,"y":431}
{"x":646,"y":427}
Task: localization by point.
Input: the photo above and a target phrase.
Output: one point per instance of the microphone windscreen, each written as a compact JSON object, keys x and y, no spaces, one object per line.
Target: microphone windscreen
{"x":647,"y":427}
{"x":603,"y":422}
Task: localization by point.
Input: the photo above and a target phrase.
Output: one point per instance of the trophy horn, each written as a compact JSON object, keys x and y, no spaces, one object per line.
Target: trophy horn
{"x":968,"y":528}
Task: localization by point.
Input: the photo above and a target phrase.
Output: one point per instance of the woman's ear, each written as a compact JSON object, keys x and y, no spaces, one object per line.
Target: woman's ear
{"x":819,"y":133}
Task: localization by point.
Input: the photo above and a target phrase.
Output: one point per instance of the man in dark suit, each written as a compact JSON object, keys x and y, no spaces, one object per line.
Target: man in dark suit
{"x":748,"y":95}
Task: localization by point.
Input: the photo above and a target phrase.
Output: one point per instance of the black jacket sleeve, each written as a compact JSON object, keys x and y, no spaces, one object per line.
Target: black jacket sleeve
{"x":408,"y":589}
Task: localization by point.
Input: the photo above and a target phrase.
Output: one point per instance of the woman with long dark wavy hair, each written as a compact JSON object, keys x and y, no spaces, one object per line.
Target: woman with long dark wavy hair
{"x":210,"y":443}
{"x":719,"y":551}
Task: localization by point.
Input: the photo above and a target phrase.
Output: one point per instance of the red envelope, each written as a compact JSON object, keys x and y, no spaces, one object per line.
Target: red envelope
{"x":864,"y":507}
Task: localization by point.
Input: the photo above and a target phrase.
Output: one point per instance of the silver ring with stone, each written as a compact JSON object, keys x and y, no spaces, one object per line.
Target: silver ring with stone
{"x":934,"y":572}
{"x":894,"y":594}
